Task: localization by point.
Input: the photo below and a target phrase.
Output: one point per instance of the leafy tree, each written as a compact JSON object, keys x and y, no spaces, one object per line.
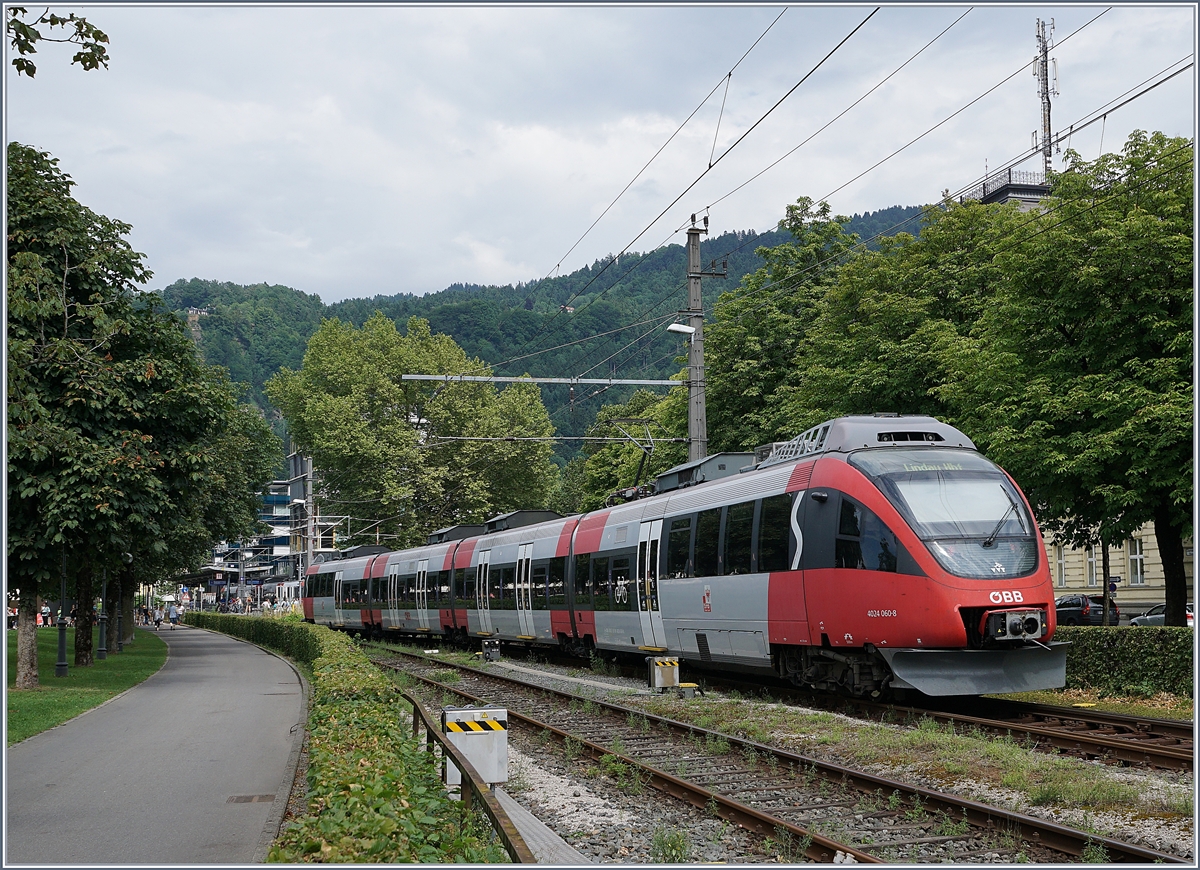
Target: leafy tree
{"x":1079,"y":380}
{"x":608,"y":467}
{"x":120,"y":440}
{"x":23,"y":35}
{"x":880,"y":335}
{"x":377,"y":438}
{"x":759,"y":327}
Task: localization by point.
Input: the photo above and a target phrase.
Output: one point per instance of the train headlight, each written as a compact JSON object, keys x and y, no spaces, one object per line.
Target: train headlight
{"x":1016,"y":624}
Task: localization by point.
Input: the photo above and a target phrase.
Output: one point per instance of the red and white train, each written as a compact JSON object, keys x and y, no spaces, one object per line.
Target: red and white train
{"x":867,"y":555}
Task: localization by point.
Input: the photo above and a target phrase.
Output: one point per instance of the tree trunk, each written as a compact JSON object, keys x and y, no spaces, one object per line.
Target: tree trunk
{"x":1170,"y":549}
{"x":27,"y":662}
{"x":83,"y":615}
{"x":111,"y":606}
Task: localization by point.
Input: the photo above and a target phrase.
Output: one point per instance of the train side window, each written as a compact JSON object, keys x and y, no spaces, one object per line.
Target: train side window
{"x":443,"y":586}
{"x":538,"y":591}
{"x":863,"y":540}
{"x":622,"y":584}
{"x":583,"y":581}
{"x":679,"y":548}
{"x":774,"y":532}
{"x":503,"y":594}
{"x":601,"y":583}
{"x":557,"y":590}
{"x":739,"y":526}
{"x":708,"y":533}
{"x":407,"y":588}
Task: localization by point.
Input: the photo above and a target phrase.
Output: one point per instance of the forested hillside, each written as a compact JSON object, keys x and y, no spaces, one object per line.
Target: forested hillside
{"x":255,"y":330}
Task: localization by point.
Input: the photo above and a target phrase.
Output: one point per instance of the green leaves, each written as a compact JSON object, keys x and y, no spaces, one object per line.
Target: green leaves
{"x":385,"y":445}
{"x":23,"y":35}
{"x":120,"y":439}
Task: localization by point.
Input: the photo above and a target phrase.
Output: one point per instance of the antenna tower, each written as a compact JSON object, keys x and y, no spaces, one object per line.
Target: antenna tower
{"x":1047,"y":85}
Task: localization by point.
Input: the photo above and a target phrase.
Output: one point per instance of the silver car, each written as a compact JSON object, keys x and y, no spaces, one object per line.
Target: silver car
{"x":1156,"y":614}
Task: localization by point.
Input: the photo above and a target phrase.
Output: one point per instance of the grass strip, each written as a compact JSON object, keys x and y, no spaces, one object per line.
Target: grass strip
{"x":57,"y":699}
{"x":375,"y":796}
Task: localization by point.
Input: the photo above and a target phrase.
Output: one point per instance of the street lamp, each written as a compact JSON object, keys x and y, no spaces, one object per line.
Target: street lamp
{"x":682,"y":328}
{"x":102,"y":652}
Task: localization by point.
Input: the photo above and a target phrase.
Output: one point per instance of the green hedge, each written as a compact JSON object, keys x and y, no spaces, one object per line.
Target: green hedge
{"x":375,"y":796}
{"x":1129,"y":659}
{"x":292,"y":637}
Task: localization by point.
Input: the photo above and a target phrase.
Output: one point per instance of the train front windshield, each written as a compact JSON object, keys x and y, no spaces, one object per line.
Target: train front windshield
{"x":961,"y":505}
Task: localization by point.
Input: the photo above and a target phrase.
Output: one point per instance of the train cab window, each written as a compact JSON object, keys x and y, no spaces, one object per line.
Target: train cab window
{"x":739,"y":525}
{"x":601,"y":584}
{"x":537,"y":591}
{"x":679,"y":548}
{"x":556,"y":582}
{"x":774,"y":532}
{"x":708,"y":534}
{"x":622,"y":592}
{"x":863,"y":541}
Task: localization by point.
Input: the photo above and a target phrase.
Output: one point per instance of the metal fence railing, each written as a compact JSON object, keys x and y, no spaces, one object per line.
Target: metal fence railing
{"x":473,"y":787}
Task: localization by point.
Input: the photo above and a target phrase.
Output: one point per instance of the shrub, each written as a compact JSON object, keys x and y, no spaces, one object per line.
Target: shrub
{"x":375,"y":795}
{"x":1153,"y":658}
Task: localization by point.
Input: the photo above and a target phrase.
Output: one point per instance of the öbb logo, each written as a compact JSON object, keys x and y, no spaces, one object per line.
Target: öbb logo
{"x":1006,"y":597}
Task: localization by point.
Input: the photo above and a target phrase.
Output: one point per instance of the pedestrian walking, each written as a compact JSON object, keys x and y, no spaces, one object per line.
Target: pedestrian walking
{"x":158,"y":617}
{"x":45,"y":614}
{"x":174,"y":617}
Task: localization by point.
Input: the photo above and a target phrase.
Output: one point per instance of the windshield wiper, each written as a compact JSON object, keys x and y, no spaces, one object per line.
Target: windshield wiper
{"x":990,"y":540}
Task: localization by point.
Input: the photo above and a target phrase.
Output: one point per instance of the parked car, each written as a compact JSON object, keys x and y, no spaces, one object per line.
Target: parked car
{"x":1156,"y":614}
{"x":1085,"y":610}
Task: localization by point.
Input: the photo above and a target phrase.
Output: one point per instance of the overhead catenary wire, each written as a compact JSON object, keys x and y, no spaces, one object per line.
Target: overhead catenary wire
{"x":724,"y":79}
{"x":1084,"y":122}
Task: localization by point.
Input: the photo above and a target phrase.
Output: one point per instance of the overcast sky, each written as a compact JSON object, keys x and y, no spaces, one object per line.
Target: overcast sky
{"x":354,"y":151}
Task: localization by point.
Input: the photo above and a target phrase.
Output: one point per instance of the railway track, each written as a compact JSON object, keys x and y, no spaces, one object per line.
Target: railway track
{"x":819,"y":810}
{"x":1094,"y":735}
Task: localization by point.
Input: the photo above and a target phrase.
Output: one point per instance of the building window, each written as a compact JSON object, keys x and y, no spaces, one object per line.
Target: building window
{"x":1137,"y":563}
{"x":1060,"y":565}
{"x":1091,"y":566}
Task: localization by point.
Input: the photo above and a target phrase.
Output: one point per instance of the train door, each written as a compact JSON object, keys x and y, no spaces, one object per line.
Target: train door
{"x":392,"y":593}
{"x":339,"y":615}
{"x":423,"y":594}
{"x":653,"y":633}
{"x":482,"y":603}
{"x":524,"y":598}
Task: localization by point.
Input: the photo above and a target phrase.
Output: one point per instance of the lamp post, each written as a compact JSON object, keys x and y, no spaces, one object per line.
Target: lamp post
{"x":102,"y":652}
{"x":60,"y":666}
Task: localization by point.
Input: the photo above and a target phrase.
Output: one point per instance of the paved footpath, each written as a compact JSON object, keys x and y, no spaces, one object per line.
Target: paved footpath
{"x":148,"y":777}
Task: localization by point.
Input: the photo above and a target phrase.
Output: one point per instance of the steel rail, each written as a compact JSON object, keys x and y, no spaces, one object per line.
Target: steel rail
{"x":821,"y":849}
{"x":1179,"y":728}
{"x":1049,"y":834}
{"x":1138,"y":748}
{"x":513,"y":842}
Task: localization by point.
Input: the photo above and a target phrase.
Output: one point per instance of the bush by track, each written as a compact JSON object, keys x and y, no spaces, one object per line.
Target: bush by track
{"x":1116,"y":659}
{"x":374,"y":795}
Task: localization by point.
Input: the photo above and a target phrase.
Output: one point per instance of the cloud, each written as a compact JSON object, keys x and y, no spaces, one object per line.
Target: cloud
{"x":351,"y":151}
